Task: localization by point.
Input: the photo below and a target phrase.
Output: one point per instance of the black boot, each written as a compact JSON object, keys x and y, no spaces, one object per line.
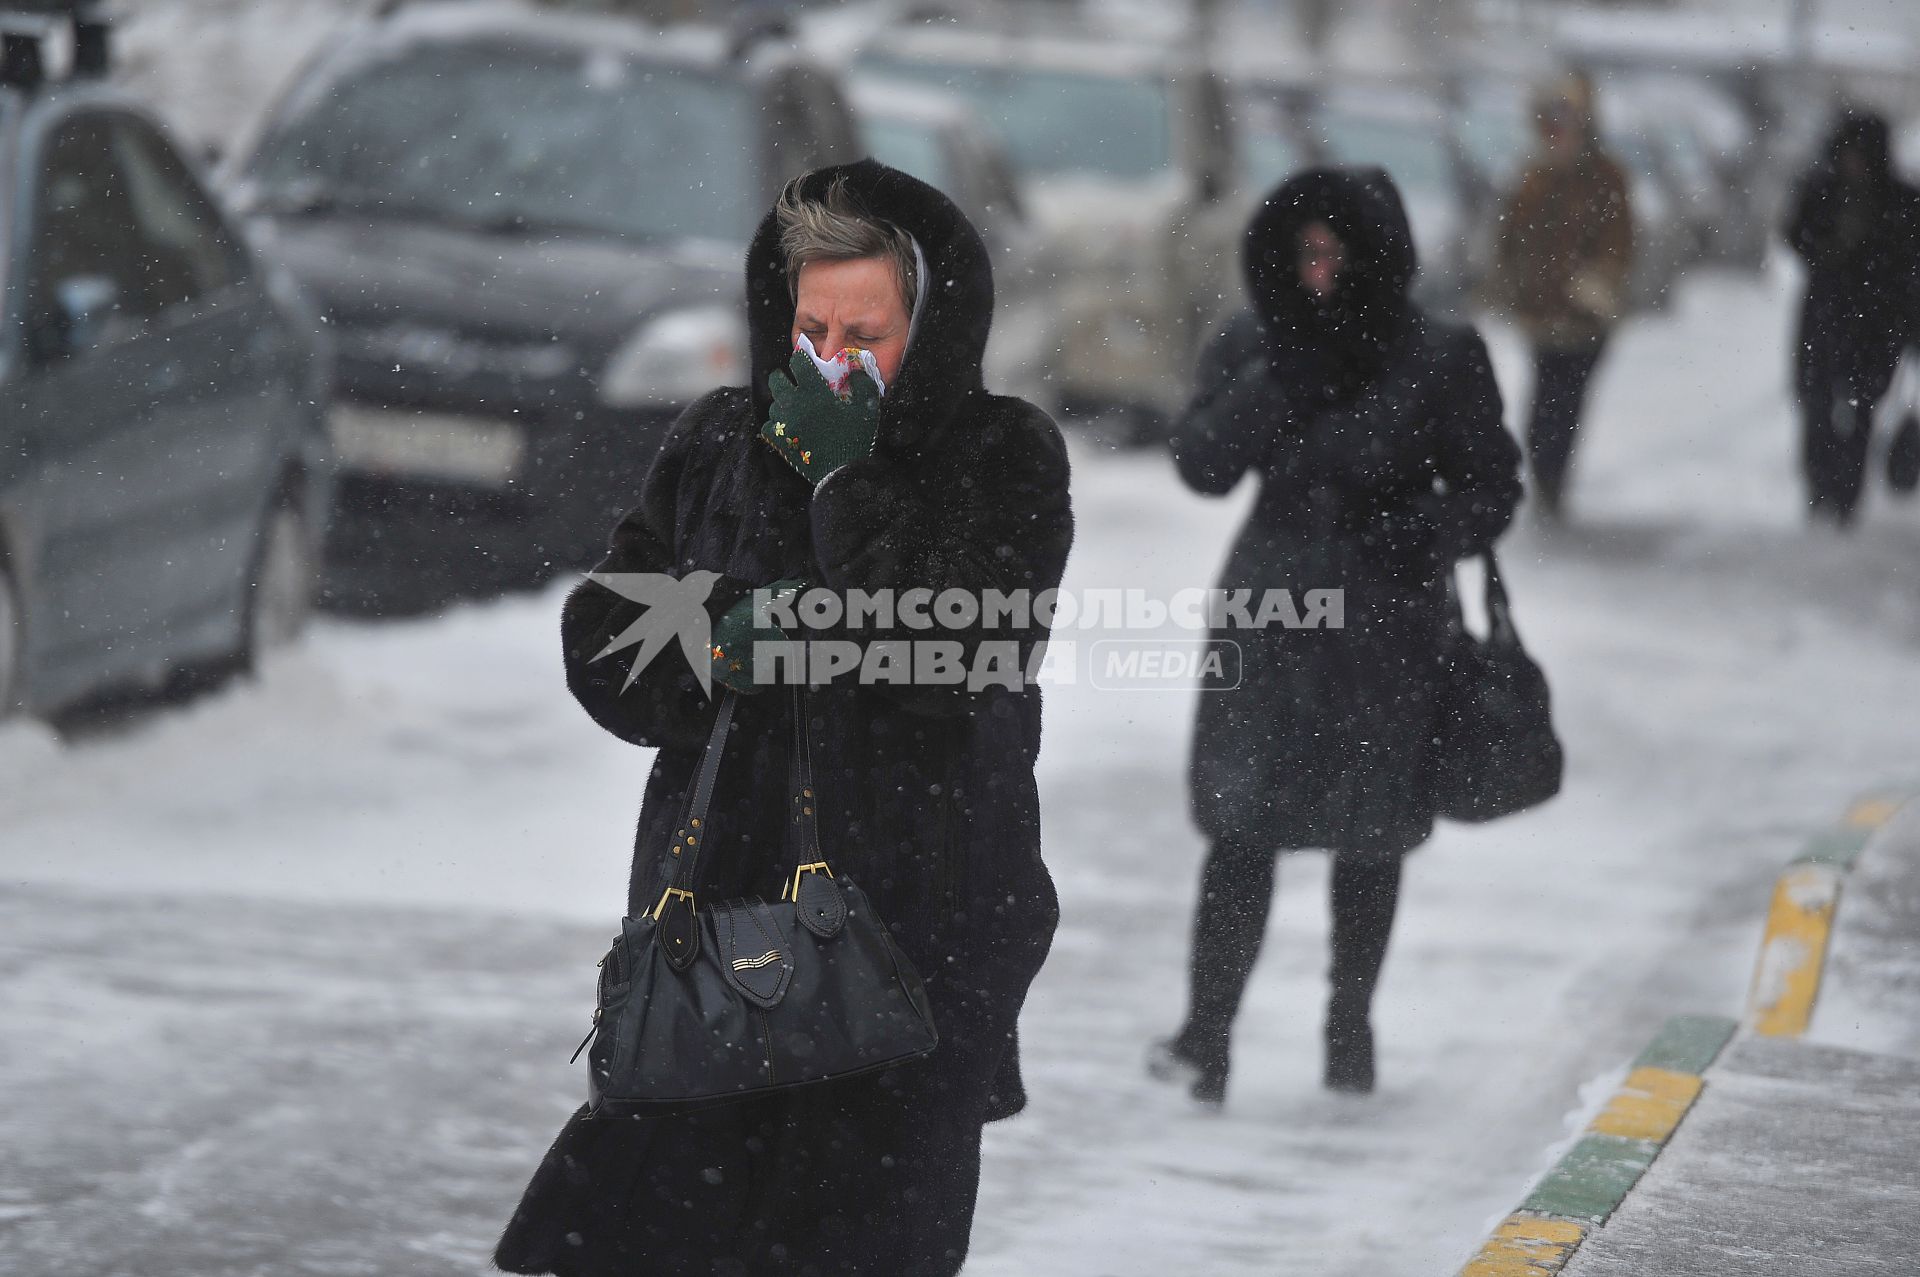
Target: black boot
{"x":1366,"y":893}
{"x":1202,"y":1069}
{"x":1349,"y":1052}
{"x":1236,"y":894}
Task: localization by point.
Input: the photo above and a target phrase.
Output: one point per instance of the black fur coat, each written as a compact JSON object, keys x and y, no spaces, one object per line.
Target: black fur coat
{"x":926,"y":797}
{"x":1376,"y":437}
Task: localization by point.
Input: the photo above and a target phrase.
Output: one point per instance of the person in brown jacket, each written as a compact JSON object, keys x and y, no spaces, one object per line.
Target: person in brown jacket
{"x":1565,"y":254}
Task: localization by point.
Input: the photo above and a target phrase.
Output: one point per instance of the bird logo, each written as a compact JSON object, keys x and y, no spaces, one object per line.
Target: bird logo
{"x":676,"y":608}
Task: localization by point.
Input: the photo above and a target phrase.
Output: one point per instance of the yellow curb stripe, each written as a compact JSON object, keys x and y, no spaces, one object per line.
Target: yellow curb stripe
{"x":1648,"y":1105}
{"x":1871,"y":813}
{"x":1526,"y":1246}
{"x":1793,"y":951}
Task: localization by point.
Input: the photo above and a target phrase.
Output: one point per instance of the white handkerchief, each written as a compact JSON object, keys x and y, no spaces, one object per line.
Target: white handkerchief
{"x":841,"y":366}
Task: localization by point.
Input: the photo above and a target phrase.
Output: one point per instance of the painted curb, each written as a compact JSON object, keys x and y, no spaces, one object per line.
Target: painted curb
{"x":1799,"y":929}
{"x":1593,"y":1177}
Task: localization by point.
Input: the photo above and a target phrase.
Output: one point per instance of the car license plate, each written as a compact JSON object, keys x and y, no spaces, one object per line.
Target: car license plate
{"x":428,"y":445}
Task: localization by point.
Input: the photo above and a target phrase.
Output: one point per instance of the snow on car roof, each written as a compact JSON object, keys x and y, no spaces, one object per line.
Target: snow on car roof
{"x":1091,"y":56}
{"x":904,"y":102}
{"x":482,"y":20}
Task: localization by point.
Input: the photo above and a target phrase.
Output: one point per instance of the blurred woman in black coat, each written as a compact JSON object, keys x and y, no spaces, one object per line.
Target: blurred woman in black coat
{"x":1376,"y":435}
{"x":1857,"y":227}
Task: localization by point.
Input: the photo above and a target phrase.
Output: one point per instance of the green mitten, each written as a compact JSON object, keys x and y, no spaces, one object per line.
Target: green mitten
{"x":734,"y":635}
{"x":815,"y":429}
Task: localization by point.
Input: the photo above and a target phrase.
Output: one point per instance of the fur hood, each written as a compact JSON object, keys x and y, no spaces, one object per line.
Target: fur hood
{"x":1327,"y":349}
{"x":943,"y":363}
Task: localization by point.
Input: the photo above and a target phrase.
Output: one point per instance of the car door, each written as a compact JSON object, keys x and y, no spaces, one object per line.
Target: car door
{"x":218,"y":447}
{"x":97,"y":380}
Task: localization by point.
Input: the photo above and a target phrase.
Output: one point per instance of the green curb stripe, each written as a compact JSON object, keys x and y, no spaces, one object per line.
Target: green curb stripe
{"x":1592,"y":1179}
{"x":1839,"y":847}
{"x":1687,"y":1044}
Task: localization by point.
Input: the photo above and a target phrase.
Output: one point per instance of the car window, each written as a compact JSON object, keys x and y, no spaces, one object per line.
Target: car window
{"x":509,"y":138}
{"x":912,"y":146}
{"x":1415,"y":155}
{"x":1269,"y":150}
{"x":1057,"y":122}
{"x":1496,"y":130}
{"x":185,"y":249}
{"x":79,"y":242}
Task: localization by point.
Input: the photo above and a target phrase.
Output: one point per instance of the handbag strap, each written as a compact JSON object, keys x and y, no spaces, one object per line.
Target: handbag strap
{"x":685,"y":848}
{"x":1500,"y":626}
{"x":689,"y":839}
{"x":805,"y":822}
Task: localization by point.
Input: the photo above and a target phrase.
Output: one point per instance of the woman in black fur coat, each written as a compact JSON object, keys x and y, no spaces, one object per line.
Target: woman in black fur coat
{"x":1375,"y":433}
{"x":926,"y":794}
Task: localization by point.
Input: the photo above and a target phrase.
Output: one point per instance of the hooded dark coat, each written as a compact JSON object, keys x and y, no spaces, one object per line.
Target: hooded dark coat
{"x":926,"y":797}
{"x":1861,"y":242}
{"x":1376,"y":436}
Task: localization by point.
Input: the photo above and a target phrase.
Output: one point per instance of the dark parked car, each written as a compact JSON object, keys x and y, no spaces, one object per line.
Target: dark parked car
{"x":526,"y":230}
{"x":164,"y":470}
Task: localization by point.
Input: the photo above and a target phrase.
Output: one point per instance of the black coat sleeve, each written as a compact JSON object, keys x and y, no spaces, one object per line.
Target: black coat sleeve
{"x":665,"y":704}
{"x":990,"y":511}
{"x":1477,"y":460}
{"x":1230,"y":421}
{"x":1809,"y":228}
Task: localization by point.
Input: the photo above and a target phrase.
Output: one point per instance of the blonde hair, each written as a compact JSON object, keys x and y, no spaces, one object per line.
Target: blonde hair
{"x":834,"y":228}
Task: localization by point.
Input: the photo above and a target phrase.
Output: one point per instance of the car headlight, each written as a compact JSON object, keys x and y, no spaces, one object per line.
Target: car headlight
{"x":677,"y":357}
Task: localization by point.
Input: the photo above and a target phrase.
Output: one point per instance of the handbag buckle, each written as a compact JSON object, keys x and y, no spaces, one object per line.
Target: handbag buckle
{"x":669,"y":894}
{"x":792,"y":890}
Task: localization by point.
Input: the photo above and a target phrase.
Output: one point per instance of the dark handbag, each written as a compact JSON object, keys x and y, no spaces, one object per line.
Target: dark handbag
{"x":1497,"y":750}
{"x":705,"y":1004}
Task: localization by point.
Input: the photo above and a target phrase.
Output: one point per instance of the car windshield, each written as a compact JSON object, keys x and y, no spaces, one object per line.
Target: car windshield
{"x":1496,"y":132}
{"x":1415,"y":157}
{"x":1057,"y":122}
{"x":1268,"y":157}
{"x":512,"y":139}
{"x":910,"y":146}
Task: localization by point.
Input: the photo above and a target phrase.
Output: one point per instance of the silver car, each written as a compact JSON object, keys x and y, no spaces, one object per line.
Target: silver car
{"x":1125,"y":153}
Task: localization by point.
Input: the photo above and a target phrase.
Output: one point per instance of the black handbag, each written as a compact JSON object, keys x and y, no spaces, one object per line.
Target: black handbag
{"x":1497,"y":752}
{"x":704,"y":1004}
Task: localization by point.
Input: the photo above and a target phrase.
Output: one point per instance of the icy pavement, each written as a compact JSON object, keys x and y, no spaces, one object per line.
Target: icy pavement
{"x":289,"y":976}
{"x":1797,"y":1155}
{"x":1870,"y":994}
{"x":1796,"y":1159}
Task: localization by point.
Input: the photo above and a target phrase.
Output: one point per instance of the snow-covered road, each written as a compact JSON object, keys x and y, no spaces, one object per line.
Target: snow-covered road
{"x":289,"y":975}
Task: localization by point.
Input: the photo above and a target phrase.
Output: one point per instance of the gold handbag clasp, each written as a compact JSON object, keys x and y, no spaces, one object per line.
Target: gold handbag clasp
{"x":792,"y":890}
{"x":669,"y":894}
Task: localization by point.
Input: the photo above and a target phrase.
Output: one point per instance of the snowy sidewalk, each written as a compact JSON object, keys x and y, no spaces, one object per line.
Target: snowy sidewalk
{"x":1772,"y":1153}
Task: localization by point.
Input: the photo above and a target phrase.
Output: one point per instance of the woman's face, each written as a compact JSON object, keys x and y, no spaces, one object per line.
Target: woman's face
{"x":855,"y":302}
{"x":1322,"y":257}
{"x":1559,"y":131}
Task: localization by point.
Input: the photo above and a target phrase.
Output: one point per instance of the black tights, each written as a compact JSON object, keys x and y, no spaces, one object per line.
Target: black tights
{"x":1236,"y":895}
{"x":1560,"y":380}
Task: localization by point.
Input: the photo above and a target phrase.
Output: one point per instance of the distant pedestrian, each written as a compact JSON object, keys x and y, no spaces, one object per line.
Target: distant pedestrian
{"x":1376,"y":436}
{"x":1857,"y":227}
{"x":1566,"y":252}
